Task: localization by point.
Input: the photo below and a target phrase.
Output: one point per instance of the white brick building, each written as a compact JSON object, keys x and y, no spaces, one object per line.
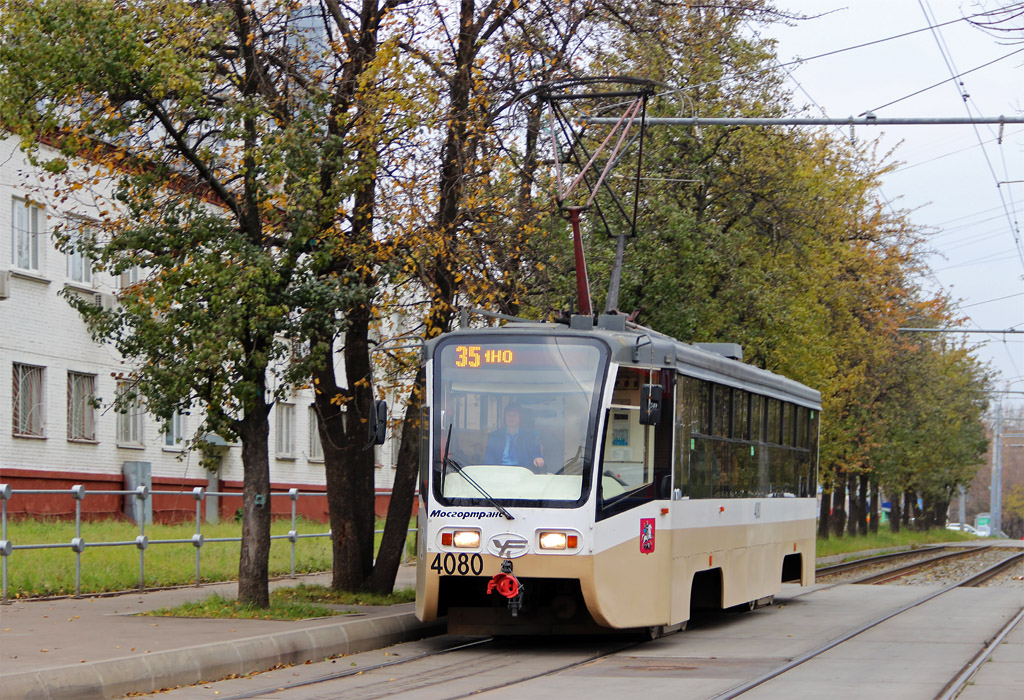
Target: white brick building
{"x":50,"y":434}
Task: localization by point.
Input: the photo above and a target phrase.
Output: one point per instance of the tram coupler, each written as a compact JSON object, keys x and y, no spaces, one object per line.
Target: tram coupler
{"x":507,"y":585}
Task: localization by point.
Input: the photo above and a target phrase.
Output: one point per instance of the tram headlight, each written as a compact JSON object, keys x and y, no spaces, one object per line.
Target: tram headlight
{"x":558,"y":540}
{"x":466,"y":539}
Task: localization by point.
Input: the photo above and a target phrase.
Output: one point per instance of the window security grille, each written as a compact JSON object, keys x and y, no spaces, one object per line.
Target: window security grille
{"x":27,"y":404}
{"x":81,"y":414}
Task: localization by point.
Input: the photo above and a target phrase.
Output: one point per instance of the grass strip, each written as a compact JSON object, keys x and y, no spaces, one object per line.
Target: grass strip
{"x":885,"y":539}
{"x":300,"y":602}
{"x":315,"y":593}
{"x":219,"y":607}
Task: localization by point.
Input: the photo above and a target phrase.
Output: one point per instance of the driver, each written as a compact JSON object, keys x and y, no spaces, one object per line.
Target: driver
{"x":513,"y":445}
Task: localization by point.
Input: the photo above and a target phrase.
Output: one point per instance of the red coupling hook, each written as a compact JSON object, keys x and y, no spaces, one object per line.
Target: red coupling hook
{"x":507,"y":585}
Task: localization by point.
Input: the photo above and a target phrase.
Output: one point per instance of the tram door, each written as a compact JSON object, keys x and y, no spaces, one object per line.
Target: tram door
{"x":635,"y":455}
{"x":627,"y":449}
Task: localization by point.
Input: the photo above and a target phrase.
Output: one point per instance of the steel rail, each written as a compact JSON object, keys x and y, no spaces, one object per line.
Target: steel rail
{"x":549,"y":672}
{"x":867,"y":561}
{"x":355,"y":671}
{"x":900,"y":572}
{"x":418,"y":657}
{"x":956,"y":685}
{"x":994,"y":571}
{"x":746,"y":686}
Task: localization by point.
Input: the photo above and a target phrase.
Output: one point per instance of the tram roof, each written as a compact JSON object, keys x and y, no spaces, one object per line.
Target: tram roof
{"x":629,"y":346}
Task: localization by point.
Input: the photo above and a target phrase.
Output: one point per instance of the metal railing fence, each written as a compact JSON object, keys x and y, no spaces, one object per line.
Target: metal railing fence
{"x":78,"y":545}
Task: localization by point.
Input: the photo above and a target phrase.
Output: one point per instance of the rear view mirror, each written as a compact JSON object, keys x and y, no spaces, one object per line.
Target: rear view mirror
{"x":379,"y":422}
{"x":650,"y":404}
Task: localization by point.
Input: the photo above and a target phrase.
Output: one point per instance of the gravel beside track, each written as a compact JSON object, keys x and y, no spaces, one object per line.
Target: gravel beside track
{"x":948,"y":572}
{"x":1011,"y":578}
{"x":851,"y":575}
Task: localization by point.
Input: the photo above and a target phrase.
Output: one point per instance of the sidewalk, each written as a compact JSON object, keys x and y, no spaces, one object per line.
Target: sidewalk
{"x":98,"y":647}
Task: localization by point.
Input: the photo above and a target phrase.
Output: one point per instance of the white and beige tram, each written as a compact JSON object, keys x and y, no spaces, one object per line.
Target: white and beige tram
{"x":583,"y":477}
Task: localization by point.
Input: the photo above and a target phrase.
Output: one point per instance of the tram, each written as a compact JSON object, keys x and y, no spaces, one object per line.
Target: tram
{"x":599,"y":476}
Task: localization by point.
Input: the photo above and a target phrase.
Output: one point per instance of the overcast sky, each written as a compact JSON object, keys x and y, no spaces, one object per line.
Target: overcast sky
{"x":947,"y":179}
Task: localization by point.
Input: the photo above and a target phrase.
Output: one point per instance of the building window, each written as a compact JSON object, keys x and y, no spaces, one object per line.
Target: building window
{"x":316,"y":450}
{"x":285,"y":430}
{"x":129,"y":277}
{"x":27,"y":409}
{"x":81,"y":411}
{"x":174,"y":431}
{"x":27,"y":224}
{"x":129,"y":415}
{"x":79,"y":263}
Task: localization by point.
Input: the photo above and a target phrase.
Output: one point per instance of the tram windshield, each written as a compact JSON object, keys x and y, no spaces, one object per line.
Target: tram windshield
{"x":519,"y":412}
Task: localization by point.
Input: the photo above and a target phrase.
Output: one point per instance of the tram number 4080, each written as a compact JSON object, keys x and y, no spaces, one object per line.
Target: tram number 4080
{"x":462,"y":564}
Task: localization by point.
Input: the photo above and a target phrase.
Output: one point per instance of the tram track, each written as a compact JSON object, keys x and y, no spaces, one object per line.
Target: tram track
{"x":919,"y":559}
{"x":357,"y":670}
{"x":501,"y":667}
{"x":958,"y":681}
{"x":843,"y":567}
{"x":489,"y":653}
{"x":962,"y":679}
{"x":915,"y":567}
{"x":922,"y":561}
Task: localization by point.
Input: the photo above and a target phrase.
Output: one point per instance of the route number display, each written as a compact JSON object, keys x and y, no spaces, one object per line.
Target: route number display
{"x":473,"y":356}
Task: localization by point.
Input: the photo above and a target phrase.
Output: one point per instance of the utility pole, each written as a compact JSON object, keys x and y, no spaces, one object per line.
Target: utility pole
{"x":996,"y":489}
{"x":962,"y":512}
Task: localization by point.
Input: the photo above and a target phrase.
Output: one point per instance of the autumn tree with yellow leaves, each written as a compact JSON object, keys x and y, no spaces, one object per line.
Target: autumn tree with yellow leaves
{"x":242,"y":142}
{"x":777,"y":238}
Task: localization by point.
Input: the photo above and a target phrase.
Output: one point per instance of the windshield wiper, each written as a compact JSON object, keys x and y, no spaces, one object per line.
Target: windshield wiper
{"x":448,"y":461}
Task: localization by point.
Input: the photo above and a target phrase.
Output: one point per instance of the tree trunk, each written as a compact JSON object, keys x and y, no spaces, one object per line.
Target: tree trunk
{"x":839,"y":506}
{"x":824,"y":511}
{"x":344,"y":434}
{"x":937,"y":513}
{"x":254,"y":559}
{"x":392,"y":546}
{"x":862,"y":509}
{"x":876,"y":508}
{"x":855,"y":510}
{"x":348,"y":460}
{"x":910,"y":509}
{"x":353,"y":548}
{"x":895,"y":513}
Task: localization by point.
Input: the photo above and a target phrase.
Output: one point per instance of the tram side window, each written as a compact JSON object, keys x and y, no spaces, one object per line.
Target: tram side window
{"x":703,"y":408}
{"x":747,"y":470}
{"x":801,"y":427}
{"x":789,"y":437}
{"x":738,"y":444}
{"x":724,"y":469}
{"x":773,"y":422}
{"x":812,"y":441}
{"x":721,"y":409}
{"x":756,"y":418}
{"x":785,"y":424}
{"x":699,"y":483}
{"x":740,"y":414}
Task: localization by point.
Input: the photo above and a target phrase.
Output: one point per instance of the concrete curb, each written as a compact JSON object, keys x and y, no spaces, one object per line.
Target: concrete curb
{"x":209,"y":662}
